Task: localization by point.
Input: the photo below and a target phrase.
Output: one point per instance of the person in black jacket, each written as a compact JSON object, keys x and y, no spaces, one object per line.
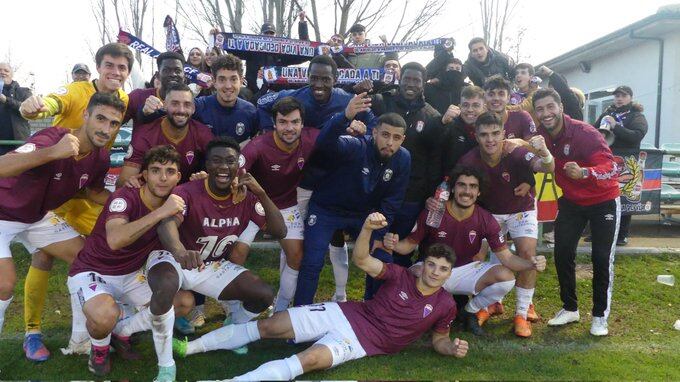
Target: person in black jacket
{"x":629,"y":126}
{"x":424,"y":134}
{"x":444,"y":90}
{"x":12,"y":125}
{"x":484,"y":62}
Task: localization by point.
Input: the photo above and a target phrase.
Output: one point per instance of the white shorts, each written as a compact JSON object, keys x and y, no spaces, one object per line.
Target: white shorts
{"x":294,"y":223}
{"x":210,"y":282}
{"x":303,"y":196}
{"x":327,"y":325}
{"x":48,"y":230}
{"x":464,"y":278}
{"x":130,"y":289}
{"x":521,"y":224}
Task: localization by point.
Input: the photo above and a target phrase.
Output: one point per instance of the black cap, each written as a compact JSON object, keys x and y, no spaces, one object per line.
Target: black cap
{"x":268,"y":27}
{"x":79,"y":67}
{"x":624,"y":89}
{"x":357,"y":28}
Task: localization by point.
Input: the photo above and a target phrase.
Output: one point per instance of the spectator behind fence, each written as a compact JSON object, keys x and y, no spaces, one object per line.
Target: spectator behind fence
{"x":629,"y":126}
{"x":12,"y":125}
{"x":484,"y":62}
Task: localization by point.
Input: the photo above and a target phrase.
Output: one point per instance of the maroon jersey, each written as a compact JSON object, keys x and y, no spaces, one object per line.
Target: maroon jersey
{"x":27,"y":197}
{"x":465,"y":236}
{"x":510,"y":172}
{"x":136,"y":101}
{"x":277,"y":168}
{"x":519,"y":125}
{"x":191,"y":148}
{"x":398,"y":314}
{"x":212,"y":224}
{"x":125,"y":203}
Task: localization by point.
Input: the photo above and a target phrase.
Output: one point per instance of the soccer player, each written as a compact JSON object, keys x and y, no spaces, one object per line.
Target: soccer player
{"x":587,"y":174}
{"x":460,"y":132}
{"x":170,"y":69}
{"x":277,"y":158}
{"x":518,"y":123}
{"x":515,"y":214}
{"x":67,"y":105}
{"x":187,"y":136}
{"x":215,"y":227}
{"x":321,"y":101}
{"x":224,"y":112}
{"x":369,"y":174}
{"x":405,"y":307}
{"x":463,"y":227}
{"x":39,"y":176}
{"x":110,"y":267}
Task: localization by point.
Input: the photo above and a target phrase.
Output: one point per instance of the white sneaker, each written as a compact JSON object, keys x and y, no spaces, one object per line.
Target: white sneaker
{"x":339,"y":298}
{"x":564,"y":317}
{"x":599,"y":326}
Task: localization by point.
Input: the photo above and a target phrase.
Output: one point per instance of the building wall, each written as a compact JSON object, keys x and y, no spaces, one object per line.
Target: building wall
{"x":637,"y":67}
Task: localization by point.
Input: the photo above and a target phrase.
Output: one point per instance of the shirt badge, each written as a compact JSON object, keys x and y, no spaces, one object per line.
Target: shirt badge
{"x":190,"y":156}
{"x":506,"y":176}
{"x":117,"y":205}
{"x":427,"y":310}
{"x":312,"y":220}
{"x":387,"y":175}
{"x":419,"y":126}
{"x":241,"y":161}
{"x":472,"y":235}
{"x":301,"y":163}
{"x":566,"y":149}
{"x":83,"y":181}
{"x":240,"y":128}
{"x":365,"y":171}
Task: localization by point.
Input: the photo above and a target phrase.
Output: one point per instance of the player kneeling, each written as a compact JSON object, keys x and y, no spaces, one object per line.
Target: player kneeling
{"x":110,"y":267}
{"x":405,"y":307}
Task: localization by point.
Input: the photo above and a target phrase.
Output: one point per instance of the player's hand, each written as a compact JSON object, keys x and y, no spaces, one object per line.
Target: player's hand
{"x":432,"y":204}
{"x":573,"y":170}
{"x":32,"y":106}
{"x":539,"y":263}
{"x":172,"y":206}
{"x":359,"y":103}
{"x":135,"y":181}
{"x":416,"y":269}
{"x":510,"y":144}
{"x":374,"y":221}
{"x":249,"y":181}
{"x":152,"y":105}
{"x":451,"y":113}
{"x":538,"y":144}
{"x":363,"y":86}
{"x":390,"y":241}
{"x":544,"y":71}
{"x":67,"y":147}
{"x":198,"y":176}
{"x":459,"y":348}
{"x":356,"y":128}
{"x":522,"y":190}
{"x":189,"y":259}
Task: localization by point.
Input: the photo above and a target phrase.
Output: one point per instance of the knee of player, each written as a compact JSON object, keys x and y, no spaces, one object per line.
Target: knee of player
{"x":7,"y":282}
{"x":503,"y":274}
{"x":104,"y":316}
{"x":310,"y":359}
{"x":263,"y":296}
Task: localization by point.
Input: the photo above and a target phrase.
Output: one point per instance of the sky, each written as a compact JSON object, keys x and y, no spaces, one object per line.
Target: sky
{"x":44,"y":39}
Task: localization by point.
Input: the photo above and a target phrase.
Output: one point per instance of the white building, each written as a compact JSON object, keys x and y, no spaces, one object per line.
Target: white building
{"x":645,"y":56}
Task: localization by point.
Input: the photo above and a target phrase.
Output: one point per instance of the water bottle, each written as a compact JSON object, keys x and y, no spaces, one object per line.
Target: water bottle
{"x":441,"y":195}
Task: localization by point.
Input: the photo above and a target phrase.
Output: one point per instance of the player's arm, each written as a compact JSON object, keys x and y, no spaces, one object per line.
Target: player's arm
{"x":98,"y":196}
{"x":37,"y":107}
{"x":361,"y":256}
{"x":443,"y":345}
{"x":168,"y":234}
{"x":275,"y":226}
{"x":547,"y":162}
{"x":518,"y":264}
{"x":22,"y":160}
{"x":121,"y":233}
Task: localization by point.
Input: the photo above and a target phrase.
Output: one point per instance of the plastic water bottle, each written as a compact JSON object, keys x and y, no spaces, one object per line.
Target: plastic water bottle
{"x":441,"y":195}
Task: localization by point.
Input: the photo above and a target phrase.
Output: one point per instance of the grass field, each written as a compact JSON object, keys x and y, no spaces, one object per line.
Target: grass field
{"x":642,"y":344}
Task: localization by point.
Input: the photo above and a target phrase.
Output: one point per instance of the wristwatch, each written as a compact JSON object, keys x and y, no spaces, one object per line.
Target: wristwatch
{"x":584,"y":173}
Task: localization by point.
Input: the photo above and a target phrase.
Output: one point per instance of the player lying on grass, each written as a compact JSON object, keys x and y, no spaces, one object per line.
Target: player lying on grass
{"x":405,"y":307}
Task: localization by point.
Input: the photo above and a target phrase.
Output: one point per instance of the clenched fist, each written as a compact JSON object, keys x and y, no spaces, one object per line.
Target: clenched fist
{"x":172,"y":206}
{"x":68,"y":146}
{"x":32,"y":106}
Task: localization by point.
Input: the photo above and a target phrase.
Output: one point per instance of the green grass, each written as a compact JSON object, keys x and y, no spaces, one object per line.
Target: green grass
{"x":642,"y":344}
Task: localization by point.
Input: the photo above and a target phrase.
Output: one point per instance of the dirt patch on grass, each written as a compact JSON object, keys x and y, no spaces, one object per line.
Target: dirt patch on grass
{"x":584,"y":271}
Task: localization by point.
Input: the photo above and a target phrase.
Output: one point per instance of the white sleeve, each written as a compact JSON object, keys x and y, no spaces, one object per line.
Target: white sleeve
{"x":248,"y":235}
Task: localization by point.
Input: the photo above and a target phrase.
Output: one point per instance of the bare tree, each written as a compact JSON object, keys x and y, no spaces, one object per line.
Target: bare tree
{"x":201,"y":15}
{"x":496,"y":15}
{"x":99,"y":12}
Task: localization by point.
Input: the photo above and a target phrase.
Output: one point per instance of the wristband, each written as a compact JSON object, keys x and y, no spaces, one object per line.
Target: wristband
{"x":584,"y":172}
{"x":548,"y":159}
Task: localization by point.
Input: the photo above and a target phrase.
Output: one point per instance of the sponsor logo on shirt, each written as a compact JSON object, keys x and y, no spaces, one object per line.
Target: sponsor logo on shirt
{"x":267,"y":98}
{"x":83,"y":180}
{"x":403,"y":295}
{"x":608,"y":217}
{"x":190,"y":156}
{"x":219,"y":223}
{"x":312,"y":220}
{"x":26,"y":148}
{"x":506,"y":176}
{"x":427,"y":310}
{"x":461,"y":138}
{"x":566,"y":149}
{"x":387,"y":175}
{"x":240,"y":128}
{"x":441,"y":234}
{"x":365,"y":171}
{"x":57,"y":176}
{"x":301,"y":163}
{"x":276,"y":167}
{"x":117,"y":205}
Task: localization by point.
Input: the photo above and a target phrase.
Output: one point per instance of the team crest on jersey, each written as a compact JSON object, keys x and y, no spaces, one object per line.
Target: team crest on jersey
{"x":241,"y":161}
{"x":259,"y":209}
{"x":240,"y":128}
{"x":427,"y":310}
{"x":472,"y":235}
{"x":301,"y":163}
{"x":27,"y":148}
{"x":566,"y":149}
{"x":117,"y":205}
{"x":506,"y":176}
{"x":61,"y":91}
{"x":419,"y":126}
{"x":83,"y":180}
{"x":387,"y":175}
{"x":190,"y":156}
{"x":130,"y":150}
{"x":312,"y":220}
